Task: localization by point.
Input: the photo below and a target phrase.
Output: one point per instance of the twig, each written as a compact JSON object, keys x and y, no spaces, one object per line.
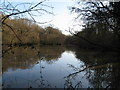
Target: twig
{"x":13,"y":31}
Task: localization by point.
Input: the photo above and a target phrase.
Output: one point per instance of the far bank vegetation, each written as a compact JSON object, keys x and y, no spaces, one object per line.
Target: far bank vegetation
{"x":27,"y":32}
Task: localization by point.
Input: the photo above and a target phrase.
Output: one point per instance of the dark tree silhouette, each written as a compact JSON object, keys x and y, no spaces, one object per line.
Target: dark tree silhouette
{"x":99,"y":18}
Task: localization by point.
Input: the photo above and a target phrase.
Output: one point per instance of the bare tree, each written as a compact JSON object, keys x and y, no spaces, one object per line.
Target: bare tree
{"x":31,"y":10}
{"x":98,"y":13}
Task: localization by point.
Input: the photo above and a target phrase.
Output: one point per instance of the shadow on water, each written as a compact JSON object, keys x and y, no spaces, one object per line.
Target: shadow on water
{"x":99,"y":69}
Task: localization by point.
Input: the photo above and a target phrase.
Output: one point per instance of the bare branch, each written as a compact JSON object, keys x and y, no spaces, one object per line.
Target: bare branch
{"x":33,"y":8}
{"x":90,"y":67}
{"x":91,"y":42}
{"x":13,"y":31}
{"x":9,"y":10}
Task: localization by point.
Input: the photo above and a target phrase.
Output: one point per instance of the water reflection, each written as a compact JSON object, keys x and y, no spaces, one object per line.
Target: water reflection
{"x":27,"y":57}
{"x":102,"y":69}
{"x":60,"y":67}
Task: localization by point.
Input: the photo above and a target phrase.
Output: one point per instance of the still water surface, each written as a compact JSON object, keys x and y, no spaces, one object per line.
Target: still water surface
{"x":60,"y":67}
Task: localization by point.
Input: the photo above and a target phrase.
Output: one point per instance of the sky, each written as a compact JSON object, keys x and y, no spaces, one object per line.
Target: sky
{"x":62,"y":19}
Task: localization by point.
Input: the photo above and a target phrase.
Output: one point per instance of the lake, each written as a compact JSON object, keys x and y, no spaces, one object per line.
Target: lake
{"x":59,"y":67}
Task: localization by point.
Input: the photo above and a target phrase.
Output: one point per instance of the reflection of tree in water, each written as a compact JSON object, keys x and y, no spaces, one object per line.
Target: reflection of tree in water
{"x":101,"y":69}
{"x":41,"y":82}
{"x":27,"y":57}
{"x":105,"y":77}
{"x":51,"y":53}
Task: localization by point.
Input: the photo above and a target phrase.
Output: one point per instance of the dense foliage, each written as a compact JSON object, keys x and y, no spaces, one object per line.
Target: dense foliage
{"x":102,"y":25}
{"x":23,"y":31}
{"x":101,"y":29}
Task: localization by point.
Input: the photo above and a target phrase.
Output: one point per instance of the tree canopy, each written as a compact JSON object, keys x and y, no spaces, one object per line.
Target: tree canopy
{"x":30,"y":33}
{"x":102,"y":24}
